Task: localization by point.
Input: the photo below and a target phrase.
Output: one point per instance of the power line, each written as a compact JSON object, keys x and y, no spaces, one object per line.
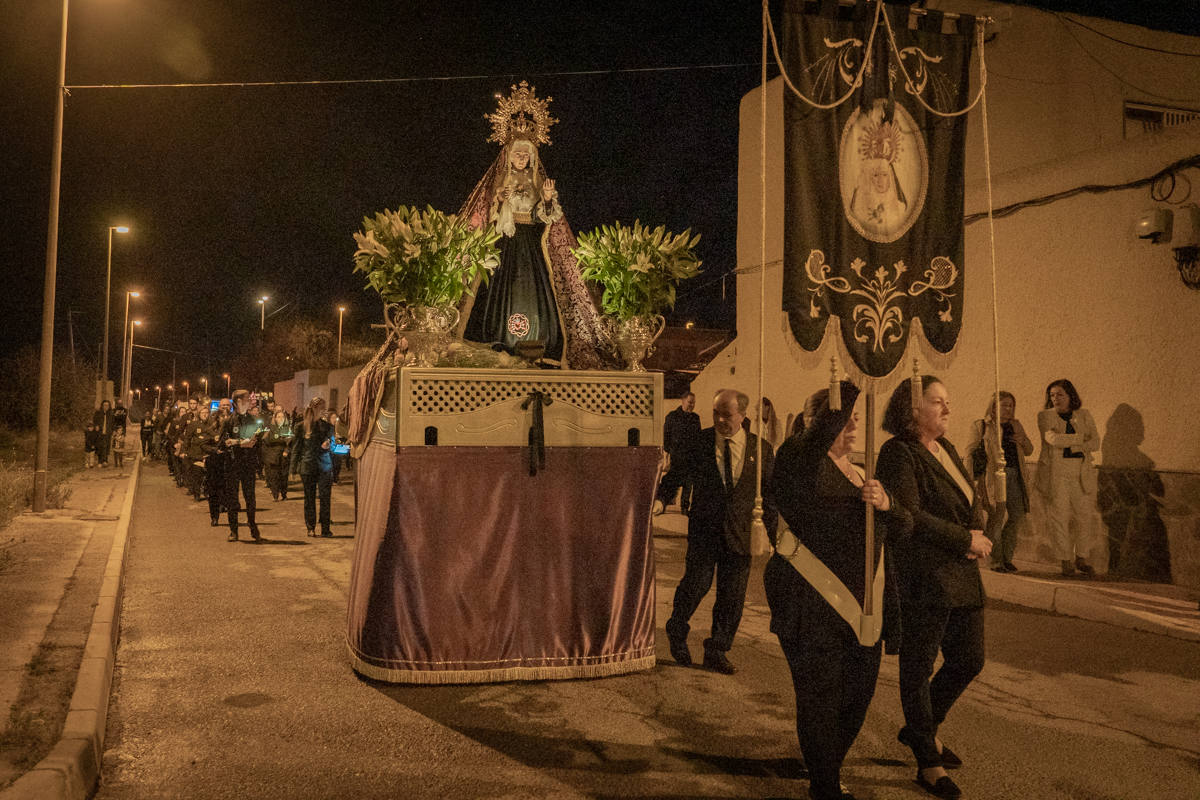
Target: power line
{"x":441,"y":78}
{"x":1120,"y":79}
{"x":1074,"y":21}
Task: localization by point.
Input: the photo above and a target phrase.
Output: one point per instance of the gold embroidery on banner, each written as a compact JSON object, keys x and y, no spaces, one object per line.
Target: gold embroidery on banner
{"x":880,"y":320}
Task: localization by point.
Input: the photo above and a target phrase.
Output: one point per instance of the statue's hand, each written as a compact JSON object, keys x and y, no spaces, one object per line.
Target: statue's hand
{"x":548,"y":190}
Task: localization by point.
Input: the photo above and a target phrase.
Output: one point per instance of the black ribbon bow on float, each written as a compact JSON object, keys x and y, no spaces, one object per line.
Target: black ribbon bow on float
{"x":537,"y":430}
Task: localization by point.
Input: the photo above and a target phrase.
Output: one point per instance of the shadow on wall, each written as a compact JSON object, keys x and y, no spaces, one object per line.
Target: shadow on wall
{"x":1129,"y":496}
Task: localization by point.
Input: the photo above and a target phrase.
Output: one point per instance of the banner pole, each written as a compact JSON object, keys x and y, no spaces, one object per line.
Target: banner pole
{"x":869,"y":549}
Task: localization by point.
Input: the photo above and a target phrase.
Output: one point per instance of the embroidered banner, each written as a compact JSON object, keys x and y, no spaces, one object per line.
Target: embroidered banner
{"x":873,"y":188}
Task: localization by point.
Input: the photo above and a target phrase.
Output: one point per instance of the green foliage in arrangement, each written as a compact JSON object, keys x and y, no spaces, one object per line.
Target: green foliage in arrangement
{"x":638,"y":267}
{"x":426,"y":258}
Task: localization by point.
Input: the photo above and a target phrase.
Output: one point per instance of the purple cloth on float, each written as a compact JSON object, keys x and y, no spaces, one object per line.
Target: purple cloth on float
{"x":467,"y":569}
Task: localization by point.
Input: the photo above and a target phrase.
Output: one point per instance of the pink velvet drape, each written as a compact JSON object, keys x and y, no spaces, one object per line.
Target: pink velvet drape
{"x":468,"y":569}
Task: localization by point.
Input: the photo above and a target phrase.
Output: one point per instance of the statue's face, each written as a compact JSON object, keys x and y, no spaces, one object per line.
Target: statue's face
{"x":881,"y":177}
{"x":519,"y":158}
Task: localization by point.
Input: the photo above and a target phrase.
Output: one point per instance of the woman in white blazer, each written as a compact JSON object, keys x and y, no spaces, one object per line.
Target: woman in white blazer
{"x":1066,"y":476}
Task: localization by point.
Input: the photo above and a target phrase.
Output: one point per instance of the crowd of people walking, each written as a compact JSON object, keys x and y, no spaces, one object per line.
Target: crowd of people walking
{"x":218,"y":450}
{"x":936,"y":518}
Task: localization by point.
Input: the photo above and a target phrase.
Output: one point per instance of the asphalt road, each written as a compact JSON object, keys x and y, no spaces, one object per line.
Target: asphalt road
{"x":233,"y":682}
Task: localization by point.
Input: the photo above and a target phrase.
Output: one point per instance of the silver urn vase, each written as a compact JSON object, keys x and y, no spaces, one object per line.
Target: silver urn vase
{"x":635,"y":337}
{"x":425,"y":332}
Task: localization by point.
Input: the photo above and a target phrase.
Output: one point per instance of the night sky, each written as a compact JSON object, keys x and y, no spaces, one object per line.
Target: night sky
{"x":236,"y":192}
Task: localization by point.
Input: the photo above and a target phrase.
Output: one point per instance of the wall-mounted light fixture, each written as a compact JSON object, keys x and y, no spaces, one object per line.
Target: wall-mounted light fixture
{"x":1181,"y":230}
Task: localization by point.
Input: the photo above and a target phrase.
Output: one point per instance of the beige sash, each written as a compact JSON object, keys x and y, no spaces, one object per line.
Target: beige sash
{"x":830,"y":587}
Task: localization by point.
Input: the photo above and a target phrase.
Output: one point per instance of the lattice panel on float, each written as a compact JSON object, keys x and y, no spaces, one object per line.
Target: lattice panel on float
{"x":484,"y":407}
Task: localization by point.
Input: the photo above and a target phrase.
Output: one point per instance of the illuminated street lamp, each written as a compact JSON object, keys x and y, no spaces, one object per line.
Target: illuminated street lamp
{"x":187,"y":391}
{"x":129,"y":368}
{"x":171,"y":388}
{"x":341,"y":311}
{"x":262,"y":322}
{"x":158,"y":399}
{"x":225,"y":375}
{"x":107,"y":297}
{"x":125,"y":345}
{"x":205,"y":386}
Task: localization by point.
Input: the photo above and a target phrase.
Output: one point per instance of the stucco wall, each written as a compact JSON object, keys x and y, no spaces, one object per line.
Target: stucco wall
{"x":1078,"y":295}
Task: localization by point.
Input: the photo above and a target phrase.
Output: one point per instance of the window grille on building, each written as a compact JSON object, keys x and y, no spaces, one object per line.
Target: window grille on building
{"x":1143,"y":118}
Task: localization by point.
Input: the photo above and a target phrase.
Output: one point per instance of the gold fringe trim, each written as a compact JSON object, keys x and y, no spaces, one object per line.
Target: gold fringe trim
{"x":611,"y":665}
{"x":917,"y":346}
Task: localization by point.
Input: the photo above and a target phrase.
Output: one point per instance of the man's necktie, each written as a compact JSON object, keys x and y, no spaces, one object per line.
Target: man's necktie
{"x":728,"y":468}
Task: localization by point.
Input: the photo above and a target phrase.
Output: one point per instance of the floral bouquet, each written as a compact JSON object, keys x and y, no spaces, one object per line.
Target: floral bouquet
{"x":639,"y":268}
{"x":424,"y":258}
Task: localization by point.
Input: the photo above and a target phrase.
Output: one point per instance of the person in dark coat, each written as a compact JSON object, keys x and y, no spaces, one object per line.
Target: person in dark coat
{"x":276,"y":451}
{"x":199,"y":441}
{"x":680,"y":427}
{"x":941,"y":593}
{"x":822,"y":497}
{"x":312,"y":461}
{"x":102,"y":421}
{"x":240,"y":435}
{"x":721,"y":463}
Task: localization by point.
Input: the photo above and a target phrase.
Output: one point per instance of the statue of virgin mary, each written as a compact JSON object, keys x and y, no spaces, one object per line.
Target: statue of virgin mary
{"x":537,"y":293}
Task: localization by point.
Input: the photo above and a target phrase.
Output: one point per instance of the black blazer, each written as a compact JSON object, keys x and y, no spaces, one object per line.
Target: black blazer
{"x":716,"y":513}
{"x":826,"y":512}
{"x":932,"y":562}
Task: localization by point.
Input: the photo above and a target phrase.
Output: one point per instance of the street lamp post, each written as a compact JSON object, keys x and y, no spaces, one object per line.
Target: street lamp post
{"x":187,"y":391}
{"x":341,"y":311}
{"x":225,"y":375}
{"x":107,"y":297}
{"x":205,"y":380}
{"x":158,"y":399}
{"x":125,"y":339}
{"x":262,"y":322}
{"x":41,"y":458}
{"x":129,"y":365}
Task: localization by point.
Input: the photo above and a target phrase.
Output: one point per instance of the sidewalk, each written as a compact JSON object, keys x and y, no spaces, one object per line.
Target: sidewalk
{"x":1151,"y":607}
{"x":59,"y":601}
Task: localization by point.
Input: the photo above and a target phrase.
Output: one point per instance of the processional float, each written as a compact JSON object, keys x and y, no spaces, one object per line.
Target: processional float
{"x":875,"y":105}
{"x":503,"y":511}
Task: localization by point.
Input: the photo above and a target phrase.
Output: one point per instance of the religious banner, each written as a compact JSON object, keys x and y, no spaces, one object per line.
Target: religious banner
{"x":873,"y":185}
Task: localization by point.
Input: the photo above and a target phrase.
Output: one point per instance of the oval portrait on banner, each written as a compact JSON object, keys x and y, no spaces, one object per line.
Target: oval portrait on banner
{"x":883,"y":170}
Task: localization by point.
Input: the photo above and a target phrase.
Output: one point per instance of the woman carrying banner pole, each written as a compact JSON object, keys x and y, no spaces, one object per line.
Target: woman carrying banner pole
{"x":815,"y":583}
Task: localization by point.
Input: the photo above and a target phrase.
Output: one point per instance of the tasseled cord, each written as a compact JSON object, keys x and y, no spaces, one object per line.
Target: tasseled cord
{"x":835,"y":386}
{"x":917,"y":388}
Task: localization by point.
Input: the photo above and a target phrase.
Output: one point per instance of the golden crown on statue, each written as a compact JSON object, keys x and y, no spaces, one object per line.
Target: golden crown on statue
{"x":880,"y":141}
{"x":521,"y":115}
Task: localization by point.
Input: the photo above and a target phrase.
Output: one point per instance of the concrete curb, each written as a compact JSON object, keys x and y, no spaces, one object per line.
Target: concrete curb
{"x":72,"y":769}
{"x":1082,"y":601}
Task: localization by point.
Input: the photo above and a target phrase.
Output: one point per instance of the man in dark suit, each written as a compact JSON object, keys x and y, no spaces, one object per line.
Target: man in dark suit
{"x":680,"y":427}
{"x":721,"y":464}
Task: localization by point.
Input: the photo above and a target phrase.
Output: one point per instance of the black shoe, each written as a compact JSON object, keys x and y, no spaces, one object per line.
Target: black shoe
{"x":232,"y":537}
{"x":1068,"y":569}
{"x":327,"y":533}
{"x":943,"y":787}
{"x":950,"y":759}
{"x":1010,"y":567}
{"x":254,"y":534}
{"x":679,"y":651}
{"x":717,"y":662}
{"x":1084,"y":568}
